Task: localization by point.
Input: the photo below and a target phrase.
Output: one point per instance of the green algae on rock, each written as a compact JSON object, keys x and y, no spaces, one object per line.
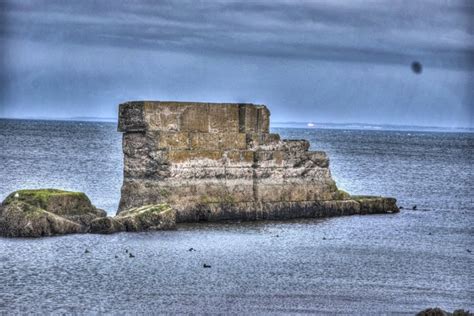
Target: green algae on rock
{"x":44,"y":198}
{"x":148,"y":217}
{"x":46,"y":212}
{"x":74,"y":206}
{"x":144,"y":218}
{"x":49,"y":212}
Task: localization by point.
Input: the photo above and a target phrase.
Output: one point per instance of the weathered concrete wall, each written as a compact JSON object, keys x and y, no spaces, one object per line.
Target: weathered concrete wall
{"x":219,"y":161}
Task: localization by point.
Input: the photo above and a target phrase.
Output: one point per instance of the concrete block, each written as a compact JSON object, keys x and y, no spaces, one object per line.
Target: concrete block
{"x":207,"y":141}
{"x":296,"y":145}
{"x":239,"y":158}
{"x":131,"y":117}
{"x":195,"y":118}
{"x":248,"y":119}
{"x":223,"y":119}
{"x":198,"y":158}
{"x":134,"y":144}
{"x":319,"y":158}
{"x":255,"y":140}
{"x":163,"y":116}
{"x":169,"y":140}
{"x":232,"y":141}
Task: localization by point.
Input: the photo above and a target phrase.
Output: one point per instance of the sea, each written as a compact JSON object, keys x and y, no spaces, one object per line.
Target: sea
{"x":395,"y":264}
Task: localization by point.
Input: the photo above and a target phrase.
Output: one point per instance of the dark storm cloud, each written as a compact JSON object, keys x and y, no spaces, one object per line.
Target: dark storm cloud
{"x":354,"y":31}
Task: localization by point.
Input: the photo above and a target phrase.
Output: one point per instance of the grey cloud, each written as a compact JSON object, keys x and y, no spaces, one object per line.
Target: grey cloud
{"x":353,"y":31}
{"x":334,"y":61}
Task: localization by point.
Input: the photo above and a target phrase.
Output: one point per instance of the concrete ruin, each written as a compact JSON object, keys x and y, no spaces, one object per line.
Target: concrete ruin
{"x":219,"y":161}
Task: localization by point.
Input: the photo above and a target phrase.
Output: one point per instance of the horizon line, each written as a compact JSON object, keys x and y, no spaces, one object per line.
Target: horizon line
{"x":358,"y":125}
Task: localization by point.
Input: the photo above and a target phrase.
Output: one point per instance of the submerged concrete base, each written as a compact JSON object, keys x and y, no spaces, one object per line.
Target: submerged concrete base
{"x":252,"y":211}
{"x":49,"y":212}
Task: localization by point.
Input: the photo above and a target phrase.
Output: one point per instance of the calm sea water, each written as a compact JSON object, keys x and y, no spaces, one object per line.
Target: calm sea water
{"x":376,"y":264}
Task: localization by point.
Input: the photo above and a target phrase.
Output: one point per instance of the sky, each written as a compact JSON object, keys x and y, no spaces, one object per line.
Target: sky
{"x":333,"y":61}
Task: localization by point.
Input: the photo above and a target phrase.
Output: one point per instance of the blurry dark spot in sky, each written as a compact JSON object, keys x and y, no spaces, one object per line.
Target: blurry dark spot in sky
{"x":416,"y":67}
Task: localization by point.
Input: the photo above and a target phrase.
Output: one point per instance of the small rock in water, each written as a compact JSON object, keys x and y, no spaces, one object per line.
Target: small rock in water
{"x":400,"y":208}
{"x":429,"y":233}
{"x":324,"y":238}
{"x":206,"y":266}
{"x":130,"y":255}
{"x":87,"y":251}
{"x":126,"y":250}
{"x":414,"y":207}
{"x":439,"y":312}
{"x":116,"y":256}
{"x":191,"y":249}
{"x":46,"y":212}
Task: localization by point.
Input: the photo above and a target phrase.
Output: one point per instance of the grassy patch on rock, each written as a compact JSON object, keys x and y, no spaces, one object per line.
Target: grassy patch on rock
{"x":41,"y":197}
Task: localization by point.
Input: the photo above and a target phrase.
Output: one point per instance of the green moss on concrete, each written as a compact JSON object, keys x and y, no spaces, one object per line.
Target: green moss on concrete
{"x":150,"y":209}
{"x":165,"y":193}
{"x":342,"y":195}
{"x":225,"y":199}
{"x":363,"y":197}
{"x":205,"y":199}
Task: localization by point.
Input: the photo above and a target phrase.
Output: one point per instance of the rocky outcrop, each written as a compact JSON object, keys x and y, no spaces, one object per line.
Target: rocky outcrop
{"x":439,"y":312}
{"x":49,"y":212}
{"x":214,"y":162}
{"x":145,"y":218}
{"x":19,"y":219}
{"x":46,"y":212}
